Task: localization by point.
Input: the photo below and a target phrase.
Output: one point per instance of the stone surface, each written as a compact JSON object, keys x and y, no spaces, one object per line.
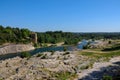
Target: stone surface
{"x":14,"y":48}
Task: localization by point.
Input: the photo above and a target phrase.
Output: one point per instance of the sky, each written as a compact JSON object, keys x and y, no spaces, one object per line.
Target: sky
{"x":65,"y":15}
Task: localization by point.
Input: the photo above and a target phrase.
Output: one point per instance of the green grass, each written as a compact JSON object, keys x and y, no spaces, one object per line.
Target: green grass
{"x":100,"y":54}
{"x":65,"y":76}
{"x":87,"y":53}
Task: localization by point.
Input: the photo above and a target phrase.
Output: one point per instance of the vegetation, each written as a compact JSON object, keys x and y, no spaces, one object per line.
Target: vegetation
{"x":112,"y":48}
{"x":66,"y":53}
{"x":25,"y":55}
{"x":57,"y":36}
{"x":52,"y":52}
{"x":73,"y":38}
{"x":64,"y":48}
{"x":39,"y":55}
{"x":98,"y":54}
{"x":65,"y":76}
{"x":14,"y":35}
{"x":36,"y":45}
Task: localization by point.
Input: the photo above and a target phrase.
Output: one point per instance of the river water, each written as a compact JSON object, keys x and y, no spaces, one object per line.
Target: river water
{"x":47,"y":49}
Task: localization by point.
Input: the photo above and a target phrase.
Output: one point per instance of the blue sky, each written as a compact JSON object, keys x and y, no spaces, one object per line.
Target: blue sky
{"x":65,"y":15}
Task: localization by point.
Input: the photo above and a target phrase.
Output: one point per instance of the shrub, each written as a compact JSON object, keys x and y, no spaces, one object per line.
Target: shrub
{"x":25,"y":55}
{"x":66,"y":53}
{"x":64,"y":48}
{"x":65,"y":76}
{"x":36,"y":45}
{"x":109,"y":42}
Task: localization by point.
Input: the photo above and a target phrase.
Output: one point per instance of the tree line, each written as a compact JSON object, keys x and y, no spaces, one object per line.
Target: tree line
{"x":17,"y":35}
{"x":14,"y":35}
{"x":57,"y":36}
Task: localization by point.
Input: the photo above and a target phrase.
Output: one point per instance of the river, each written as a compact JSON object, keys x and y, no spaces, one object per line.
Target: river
{"x":47,"y":49}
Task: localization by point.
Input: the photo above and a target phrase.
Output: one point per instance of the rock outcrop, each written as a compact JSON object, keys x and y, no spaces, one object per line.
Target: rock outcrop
{"x":56,"y":66}
{"x":39,"y":67}
{"x":14,"y":48}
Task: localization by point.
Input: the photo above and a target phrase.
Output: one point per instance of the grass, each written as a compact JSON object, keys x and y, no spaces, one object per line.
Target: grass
{"x":100,"y":53}
{"x":112,"y":48}
{"x":96,"y":55}
{"x":65,"y":76}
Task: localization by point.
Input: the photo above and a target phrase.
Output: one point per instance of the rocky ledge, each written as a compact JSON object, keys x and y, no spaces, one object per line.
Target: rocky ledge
{"x":57,"y":66}
{"x":14,"y":48}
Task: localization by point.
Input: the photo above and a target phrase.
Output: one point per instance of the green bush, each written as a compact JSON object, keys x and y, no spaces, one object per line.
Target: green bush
{"x":65,"y":76}
{"x":36,"y":45}
{"x":25,"y":55}
{"x":64,"y":48}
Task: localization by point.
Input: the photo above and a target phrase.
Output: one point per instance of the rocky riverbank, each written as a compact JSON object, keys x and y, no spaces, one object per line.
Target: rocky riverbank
{"x":56,"y":66}
{"x":45,"y":66}
{"x":14,"y":48}
{"x":101,"y":70}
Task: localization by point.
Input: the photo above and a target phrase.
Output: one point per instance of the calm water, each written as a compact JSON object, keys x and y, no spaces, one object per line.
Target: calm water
{"x":47,"y":49}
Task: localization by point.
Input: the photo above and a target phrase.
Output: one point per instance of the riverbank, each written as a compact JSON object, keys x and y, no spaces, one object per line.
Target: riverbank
{"x":15,"y":48}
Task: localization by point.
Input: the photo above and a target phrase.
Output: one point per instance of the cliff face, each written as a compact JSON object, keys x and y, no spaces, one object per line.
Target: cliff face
{"x":14,"y":48}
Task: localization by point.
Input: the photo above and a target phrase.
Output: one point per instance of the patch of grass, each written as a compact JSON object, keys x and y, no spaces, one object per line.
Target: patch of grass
{"x":100,"y":55}
{"x":112,"y":48}
{"x":65,"y":76}
{"x":87,"y":53}
{"x":111,"y":54}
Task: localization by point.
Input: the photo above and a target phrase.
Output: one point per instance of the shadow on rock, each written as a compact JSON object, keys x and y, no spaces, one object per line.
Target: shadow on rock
{"x":112,"y":71}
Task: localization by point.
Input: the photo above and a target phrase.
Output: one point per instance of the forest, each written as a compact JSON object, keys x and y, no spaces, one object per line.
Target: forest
{"x":16,"y":35}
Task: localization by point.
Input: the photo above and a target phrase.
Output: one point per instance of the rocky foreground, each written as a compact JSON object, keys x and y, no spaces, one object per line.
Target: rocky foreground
{"x":15,"y":48}
{"x":56,"y":66}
